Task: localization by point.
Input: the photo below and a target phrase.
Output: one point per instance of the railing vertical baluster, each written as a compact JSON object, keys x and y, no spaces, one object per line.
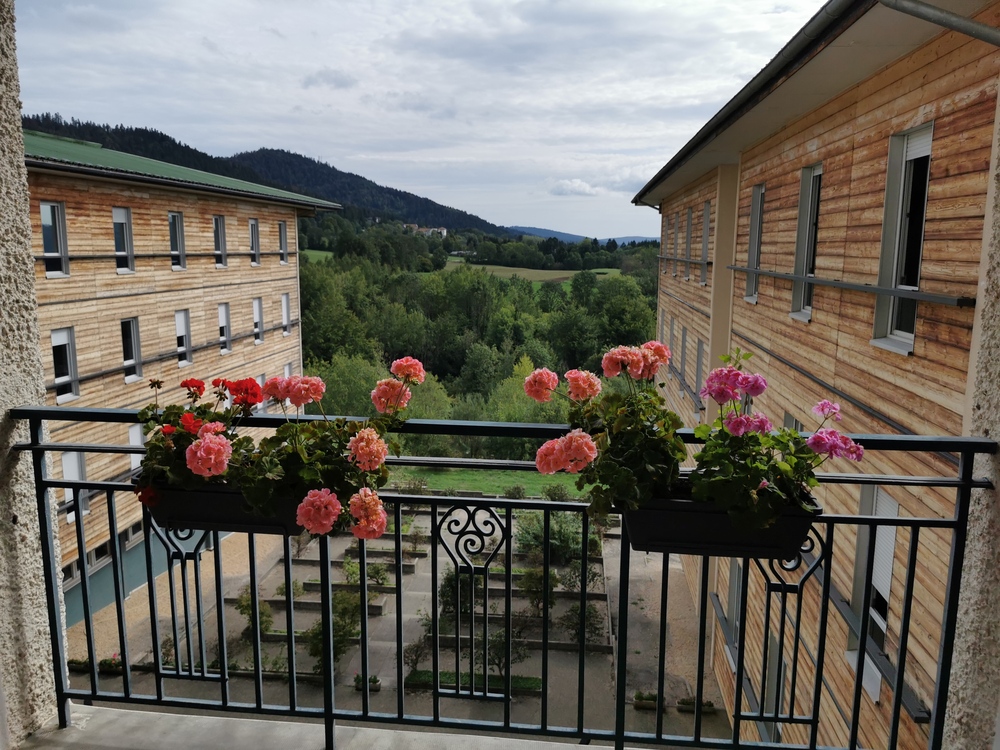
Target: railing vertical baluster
{"x":200,"y":612}
{"x":117,"y":570}
{"x":661,"y":668}
{"x":766,"y":647}
{"x":546,"y":577}
{"x":220,"y":616}
{"x":741,"y":653}
{"x":508,"y":610}
{"x":363,"y":593}
{"x":796,"y":642}
{"x":904,"y":636}
{"x":186,"y":600}
{"x":398,"y":569}
{"x":154,"y":619}
{"x":171,"y":586}
{"x":327,"y":655}
{"x":962,"y":500}
{"x":435,"y":617}
{"x":621,"y":648}
{"x":866,"y":617}
{"x":88,"y":615}
{"x":293,"y":699}
{"x":258,"y":677}
{"x":780,"y":676}
{"x":824,"y":614}
{"x":582,"y":631}
{"x":51,"y":570}
{"x":702,"y":624}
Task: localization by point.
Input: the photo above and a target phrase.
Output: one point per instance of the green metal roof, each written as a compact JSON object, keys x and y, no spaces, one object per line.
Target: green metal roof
{"x":83,"y":157}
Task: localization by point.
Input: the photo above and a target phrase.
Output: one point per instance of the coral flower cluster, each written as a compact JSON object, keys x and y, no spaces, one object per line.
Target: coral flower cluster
{"x":367,"y":449}
{"x":571,"y":452}
{"x":297,"y":390}
{"x":640,"y":362}
{"x":369,"y":514}
{"x":393,"y":394}
{"x":318,"y":511}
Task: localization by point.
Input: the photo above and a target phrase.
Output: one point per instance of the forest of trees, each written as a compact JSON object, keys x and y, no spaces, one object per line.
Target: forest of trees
{"x":373,"y":300}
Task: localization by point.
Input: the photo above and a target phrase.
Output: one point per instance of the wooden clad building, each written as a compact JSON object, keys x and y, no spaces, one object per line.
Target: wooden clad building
{"x":830,"y":219}
{"x":150,"y":270}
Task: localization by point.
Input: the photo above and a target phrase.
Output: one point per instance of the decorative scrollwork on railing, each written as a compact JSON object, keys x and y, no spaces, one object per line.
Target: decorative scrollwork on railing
{"x":178,"y":542}
{"x":808,"y":559}
{"x":472,"y":531}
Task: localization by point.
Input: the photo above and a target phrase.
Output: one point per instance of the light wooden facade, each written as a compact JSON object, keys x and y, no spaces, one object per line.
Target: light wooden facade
{"x":886,"y":381}
{"x":86,"y":299}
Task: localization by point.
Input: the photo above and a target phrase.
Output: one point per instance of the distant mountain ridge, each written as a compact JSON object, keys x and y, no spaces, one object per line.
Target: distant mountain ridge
{"x":573,"y":238}
{"x":273,"y":167}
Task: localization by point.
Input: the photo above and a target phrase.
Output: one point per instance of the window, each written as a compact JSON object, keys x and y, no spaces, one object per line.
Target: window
{"x":225,"y":332}
{"x":733,"y":607}
{"x":130,"y":536}
{"x":677,"y":240}
{"x":706,"y":223}
{"x":774,"y":686}
{"x":74,"y":469}
{"x":903,"y":237}
{"x":286,"y":313}
{"x":178,"y":261}
{"x":687,"y":243}
{"x":262,"y":406}
{"x":805,"y":242}
{"x":792,"y":423}
{"x":124,"y":255}
{"x":288,"y":370}
{"x":131,"y":353}
{"x":135,"y":438}
{"x":664,"y":244}
{"x":67,"y":379}
{"x":283,"y":242}
{"x":219,"y":235}
{"x":875,"y":502}
{"x":71,"y":575}
{"x":258,"y":320}
{"x":56,"y":256}
{"x":699,"y":371}
{"x":182,"y":325}
{"x":756,"y":232}
{"x":254,"y":243}
{"x":682,"y":370}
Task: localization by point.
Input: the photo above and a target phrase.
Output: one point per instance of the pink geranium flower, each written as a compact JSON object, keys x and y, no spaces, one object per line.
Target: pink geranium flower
{"x":578,"y":450}
{"x":365,"y":502}
{"x":654,"y":355}
{"x":540,"y":384}
{"x":583,"y":385}
{"x":367,"y":449}
{"x":827,"y":409}
{"x":211,"y":428}
{"x":370,"y":515}
{"x":408,"y":368}
{"x":318,"y":511}
{"x":390,"y":395}
{"x":276,"y":389}
{"x":752,"y":384}
{"x":835,"y":445}
{"x":760,"y":423}
{"x":550,"y":457}
{"x":620,"y":357}
{"x":209,"y":456}
{"x":737,"y":424}
{"x":305,"y":390}
{"x":371,"y":527}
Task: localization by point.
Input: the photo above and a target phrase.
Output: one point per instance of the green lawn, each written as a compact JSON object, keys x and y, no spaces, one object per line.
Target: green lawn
{"x":488,"y":482}
{"x":316,"y":256}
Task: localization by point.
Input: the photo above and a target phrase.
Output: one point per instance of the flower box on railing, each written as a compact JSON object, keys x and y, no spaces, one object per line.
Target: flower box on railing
{"x":218,"y":508}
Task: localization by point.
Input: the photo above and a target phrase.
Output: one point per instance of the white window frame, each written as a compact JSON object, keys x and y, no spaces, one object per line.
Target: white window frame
{"x":756,"y":234}
{"x":904,"y":150}
{"x":178,"y":258}
{"x":135,"y":438}
{"x":706,"y":225}
{"x":689,"y":220}
{"x":875,"y":501}
{"x":283,"y":243}
{"x":261,"y":408}
{"x":131,"y":336}
{"x":65,"y":337}
{"x":733,"y":609}
{"x":289,"y":369}
{"x":60,"y":254}
{"x":258,"y":320}
{"x":182,"y":327}
{"x":810,"y":195}
{"x":225,"y":329}
{"x":219,"y":241}
{"x":286,"y":313}
{"x":254,"y":242}
{"x":74,"y":469}
{"x":124,"y":251}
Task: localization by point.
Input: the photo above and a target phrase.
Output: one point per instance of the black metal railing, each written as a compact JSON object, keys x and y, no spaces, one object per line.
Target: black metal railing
{"x":518,"y":616}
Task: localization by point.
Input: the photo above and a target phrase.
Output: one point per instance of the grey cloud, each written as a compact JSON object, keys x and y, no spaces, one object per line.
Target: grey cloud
{"x":573,"y":187}
{"x":330,"y":78}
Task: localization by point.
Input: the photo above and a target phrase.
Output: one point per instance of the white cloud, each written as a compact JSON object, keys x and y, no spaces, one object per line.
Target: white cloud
{"x":548,"y":113}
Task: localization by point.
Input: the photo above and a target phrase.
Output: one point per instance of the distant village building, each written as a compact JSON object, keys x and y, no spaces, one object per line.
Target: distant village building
{"x":830,"y":219}
{"x":149,"y":270}
{"x":426,"y":231}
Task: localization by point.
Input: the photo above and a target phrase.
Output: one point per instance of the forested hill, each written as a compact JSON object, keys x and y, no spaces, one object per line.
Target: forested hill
{"x":270,"y":167}
{"x":305,"y":175}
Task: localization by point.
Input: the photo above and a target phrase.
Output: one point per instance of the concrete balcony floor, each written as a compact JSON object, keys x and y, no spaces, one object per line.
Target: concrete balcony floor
{"x":120,"y":729}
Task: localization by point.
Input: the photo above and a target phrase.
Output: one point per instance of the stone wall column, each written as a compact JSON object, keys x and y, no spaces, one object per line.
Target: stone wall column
{"x":973,"y":701}
{"x":26,"y":686}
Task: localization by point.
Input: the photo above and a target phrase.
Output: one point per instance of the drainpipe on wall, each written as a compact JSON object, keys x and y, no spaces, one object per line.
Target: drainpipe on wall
{"x":947,"y":19}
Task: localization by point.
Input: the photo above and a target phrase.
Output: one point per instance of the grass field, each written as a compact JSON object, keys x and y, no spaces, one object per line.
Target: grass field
{"x":488,"y":482}
{"x":315,"y":256}
{"x":535,"y":275}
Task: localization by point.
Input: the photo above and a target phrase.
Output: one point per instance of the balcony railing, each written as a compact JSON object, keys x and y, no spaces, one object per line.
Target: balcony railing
{"x":520,"y":616}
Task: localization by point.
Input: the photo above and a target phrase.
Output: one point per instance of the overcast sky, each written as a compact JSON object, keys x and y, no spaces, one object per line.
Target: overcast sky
{"x":547,"y":113}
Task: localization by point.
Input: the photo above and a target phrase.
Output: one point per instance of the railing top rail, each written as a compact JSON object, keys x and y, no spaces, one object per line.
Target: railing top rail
{"x":942,"y":443}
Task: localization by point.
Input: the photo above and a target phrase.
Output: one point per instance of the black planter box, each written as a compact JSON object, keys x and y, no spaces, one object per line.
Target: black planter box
{"x":218,"y":508}
{"x":704,"y":528}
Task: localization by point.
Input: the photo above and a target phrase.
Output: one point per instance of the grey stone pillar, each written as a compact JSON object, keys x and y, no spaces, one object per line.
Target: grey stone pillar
{"x":974,"y":702}
{"x":26,"y":692}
